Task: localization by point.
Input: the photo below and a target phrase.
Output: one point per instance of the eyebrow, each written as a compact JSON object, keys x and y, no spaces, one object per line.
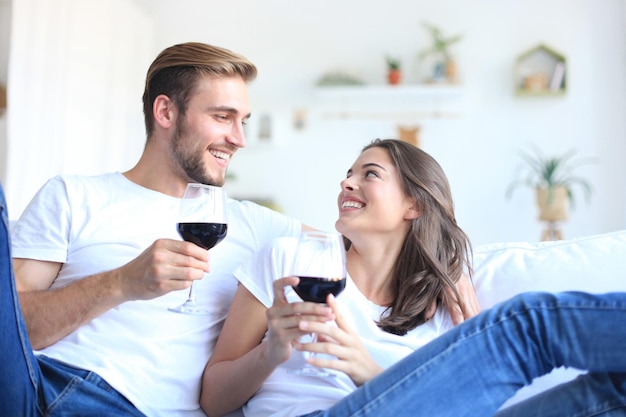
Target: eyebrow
{"x":230,"y":110}
{"x":369,"y":164}
{"x":372,"y":164}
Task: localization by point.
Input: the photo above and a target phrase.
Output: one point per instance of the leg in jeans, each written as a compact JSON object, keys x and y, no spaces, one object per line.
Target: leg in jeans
{"x":591,"y":394}
{"x":31,"y":386}
{"x":474,"y":368}
{"x":19,"y":372}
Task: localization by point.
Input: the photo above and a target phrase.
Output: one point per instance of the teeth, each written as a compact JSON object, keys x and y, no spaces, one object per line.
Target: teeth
{"x":351,"y":204}
{"x":220,"y":155}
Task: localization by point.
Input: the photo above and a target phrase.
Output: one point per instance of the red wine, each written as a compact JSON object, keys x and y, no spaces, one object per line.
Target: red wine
{"x":316,"y":289}
{"x":205,"y":235}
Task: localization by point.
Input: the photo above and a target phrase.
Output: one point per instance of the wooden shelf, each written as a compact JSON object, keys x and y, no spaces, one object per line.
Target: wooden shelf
{"x":541,"y":71}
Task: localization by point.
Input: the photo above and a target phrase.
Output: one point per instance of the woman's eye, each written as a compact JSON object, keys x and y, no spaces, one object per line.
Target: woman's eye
{"x":371,"y":173}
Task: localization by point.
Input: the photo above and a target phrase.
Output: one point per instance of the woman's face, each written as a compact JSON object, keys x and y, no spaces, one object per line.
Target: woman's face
{"x":371,"y":201}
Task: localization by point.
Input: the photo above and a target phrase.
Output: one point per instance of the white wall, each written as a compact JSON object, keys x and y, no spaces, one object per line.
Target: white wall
{"x":294,"y":43}
{"x":75,"y":81}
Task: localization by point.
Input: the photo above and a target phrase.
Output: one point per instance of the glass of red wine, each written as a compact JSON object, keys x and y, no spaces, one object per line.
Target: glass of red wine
{"x":320,"y":263}
{"x":202,"y":221}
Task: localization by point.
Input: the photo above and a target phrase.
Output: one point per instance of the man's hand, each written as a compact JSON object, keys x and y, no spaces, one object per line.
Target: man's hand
{"x":167,"y":265}
{"x":467,"y":307}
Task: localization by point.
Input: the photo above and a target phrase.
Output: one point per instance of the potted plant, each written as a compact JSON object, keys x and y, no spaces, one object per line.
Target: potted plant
{"x":444,"y":66}
{"x":554,"y":182}
{"x":394,"y":70}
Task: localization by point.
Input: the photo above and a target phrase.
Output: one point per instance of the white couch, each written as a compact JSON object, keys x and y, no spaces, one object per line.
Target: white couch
{"x":594,"y":264}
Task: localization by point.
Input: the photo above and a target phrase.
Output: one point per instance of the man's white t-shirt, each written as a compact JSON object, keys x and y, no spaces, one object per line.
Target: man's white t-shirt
{"x":287,"y":394}
{"x":151,"y":355}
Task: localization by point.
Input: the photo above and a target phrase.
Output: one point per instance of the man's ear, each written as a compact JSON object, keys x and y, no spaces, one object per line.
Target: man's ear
{"x":164,"y":111}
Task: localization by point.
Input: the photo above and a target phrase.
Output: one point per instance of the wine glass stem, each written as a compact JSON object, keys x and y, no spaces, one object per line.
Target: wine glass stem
{"x":191,"y":298}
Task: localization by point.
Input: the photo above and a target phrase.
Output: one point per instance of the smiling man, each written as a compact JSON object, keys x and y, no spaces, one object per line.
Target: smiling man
{"x":98,"y":260}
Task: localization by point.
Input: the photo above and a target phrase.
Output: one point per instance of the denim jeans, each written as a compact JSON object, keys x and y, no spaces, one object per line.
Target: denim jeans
{"x":475,"y":367}
{"x":40,"y":386}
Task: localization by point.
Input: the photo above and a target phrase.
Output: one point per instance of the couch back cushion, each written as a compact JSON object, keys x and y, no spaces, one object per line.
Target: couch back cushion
{"x":593,"y":264}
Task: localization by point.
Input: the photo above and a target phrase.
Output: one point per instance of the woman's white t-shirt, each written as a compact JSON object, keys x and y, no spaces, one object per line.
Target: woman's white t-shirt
{"x":288,"y":394}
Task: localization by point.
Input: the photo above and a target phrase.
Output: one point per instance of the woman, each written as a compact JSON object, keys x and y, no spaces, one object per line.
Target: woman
{"x":404,"y":251}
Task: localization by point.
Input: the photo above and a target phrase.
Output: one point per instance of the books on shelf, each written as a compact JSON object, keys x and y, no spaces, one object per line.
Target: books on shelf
{"x":557,"y":76}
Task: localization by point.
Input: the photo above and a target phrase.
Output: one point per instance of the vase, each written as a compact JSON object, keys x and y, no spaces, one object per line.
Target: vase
{"x":553,"y":203}
{"x":394,"y":76}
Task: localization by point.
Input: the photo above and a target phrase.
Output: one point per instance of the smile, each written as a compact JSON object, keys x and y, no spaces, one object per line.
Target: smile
{"x":220,"y":155}
{"x":351,"y":204}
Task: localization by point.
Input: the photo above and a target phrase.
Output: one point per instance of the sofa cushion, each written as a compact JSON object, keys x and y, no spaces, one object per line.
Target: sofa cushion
{"x":593,"y":264}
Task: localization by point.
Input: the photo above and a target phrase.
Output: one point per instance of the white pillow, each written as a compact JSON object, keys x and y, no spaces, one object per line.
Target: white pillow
{"x":594,"y":264}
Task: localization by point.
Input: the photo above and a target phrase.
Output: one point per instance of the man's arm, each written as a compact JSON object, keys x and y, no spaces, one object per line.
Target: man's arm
{"x":50,"y":314}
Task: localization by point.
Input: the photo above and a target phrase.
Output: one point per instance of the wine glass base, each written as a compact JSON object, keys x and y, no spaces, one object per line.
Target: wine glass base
{"x":311,"y":371}
{"x":191,"y":309}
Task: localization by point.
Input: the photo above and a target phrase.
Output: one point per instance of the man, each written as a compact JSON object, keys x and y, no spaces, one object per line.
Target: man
{"x":98,"y":261}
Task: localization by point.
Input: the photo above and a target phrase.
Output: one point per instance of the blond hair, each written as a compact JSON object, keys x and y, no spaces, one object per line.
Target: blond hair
{"x":176,"y":70}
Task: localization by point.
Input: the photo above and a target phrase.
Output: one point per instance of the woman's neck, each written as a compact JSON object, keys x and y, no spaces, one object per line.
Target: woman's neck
{"x":371,"y":266}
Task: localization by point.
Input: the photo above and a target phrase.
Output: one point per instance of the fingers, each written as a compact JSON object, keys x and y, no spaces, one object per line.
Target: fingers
{"x":469,"y":301}
{"x":167,"y":265}
{"x":279,"y":288}
{"x":454,"y":308}
{"x":466,"y":306}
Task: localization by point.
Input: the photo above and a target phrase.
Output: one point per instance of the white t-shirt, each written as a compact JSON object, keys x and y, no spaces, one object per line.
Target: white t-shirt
{"x":152,"y":356}
{"x":287,"y":394}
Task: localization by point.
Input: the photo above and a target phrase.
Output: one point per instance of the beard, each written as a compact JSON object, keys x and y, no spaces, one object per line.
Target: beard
{"x":190,"y":161}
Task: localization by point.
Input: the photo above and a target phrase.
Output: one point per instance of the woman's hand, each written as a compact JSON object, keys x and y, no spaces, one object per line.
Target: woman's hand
{"x":283,"y":319}
{"x":342,"y":342}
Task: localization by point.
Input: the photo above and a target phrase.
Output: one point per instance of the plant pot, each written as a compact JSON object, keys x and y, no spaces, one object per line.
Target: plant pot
{"x":394,"y":76}
{"x":553,"y":203}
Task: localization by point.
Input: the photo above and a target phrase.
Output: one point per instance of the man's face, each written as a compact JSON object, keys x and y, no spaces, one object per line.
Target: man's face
{"x":211,"y":131}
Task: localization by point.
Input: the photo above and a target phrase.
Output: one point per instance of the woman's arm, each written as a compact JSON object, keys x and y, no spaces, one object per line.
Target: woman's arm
{"x":235,"y":371}
{"x":242,"y":360}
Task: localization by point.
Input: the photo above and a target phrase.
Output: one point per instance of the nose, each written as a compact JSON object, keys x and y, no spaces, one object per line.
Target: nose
{"x":347,"y":184}
{"x":237,"y":135}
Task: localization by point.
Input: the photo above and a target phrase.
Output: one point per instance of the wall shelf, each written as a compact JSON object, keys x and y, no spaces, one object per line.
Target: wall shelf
{"x":541,"y":71}
{"x":421,"y":91}
{"x":389,"y":102}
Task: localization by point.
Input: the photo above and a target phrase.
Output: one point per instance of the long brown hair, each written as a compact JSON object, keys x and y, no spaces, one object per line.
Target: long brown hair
{"x":435,"y":249}
{"x":176,"y":70}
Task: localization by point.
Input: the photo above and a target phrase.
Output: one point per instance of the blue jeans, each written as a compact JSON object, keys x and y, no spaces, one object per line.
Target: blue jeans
{"x":40,"y":386}
{"x":474,"y":368}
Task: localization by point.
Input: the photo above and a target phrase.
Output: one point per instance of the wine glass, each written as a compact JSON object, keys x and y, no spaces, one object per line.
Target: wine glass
{"x":202,"y":221}
{"x":320,"y":263}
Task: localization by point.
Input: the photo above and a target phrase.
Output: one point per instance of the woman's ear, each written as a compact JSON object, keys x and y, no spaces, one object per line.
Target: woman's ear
{"x":164,"y":111}
{"x":413,"y":212}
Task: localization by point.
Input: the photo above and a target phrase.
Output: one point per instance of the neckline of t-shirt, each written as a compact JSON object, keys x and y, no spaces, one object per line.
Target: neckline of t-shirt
{"x":147,"y":191}
{"x":371,"y":306}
